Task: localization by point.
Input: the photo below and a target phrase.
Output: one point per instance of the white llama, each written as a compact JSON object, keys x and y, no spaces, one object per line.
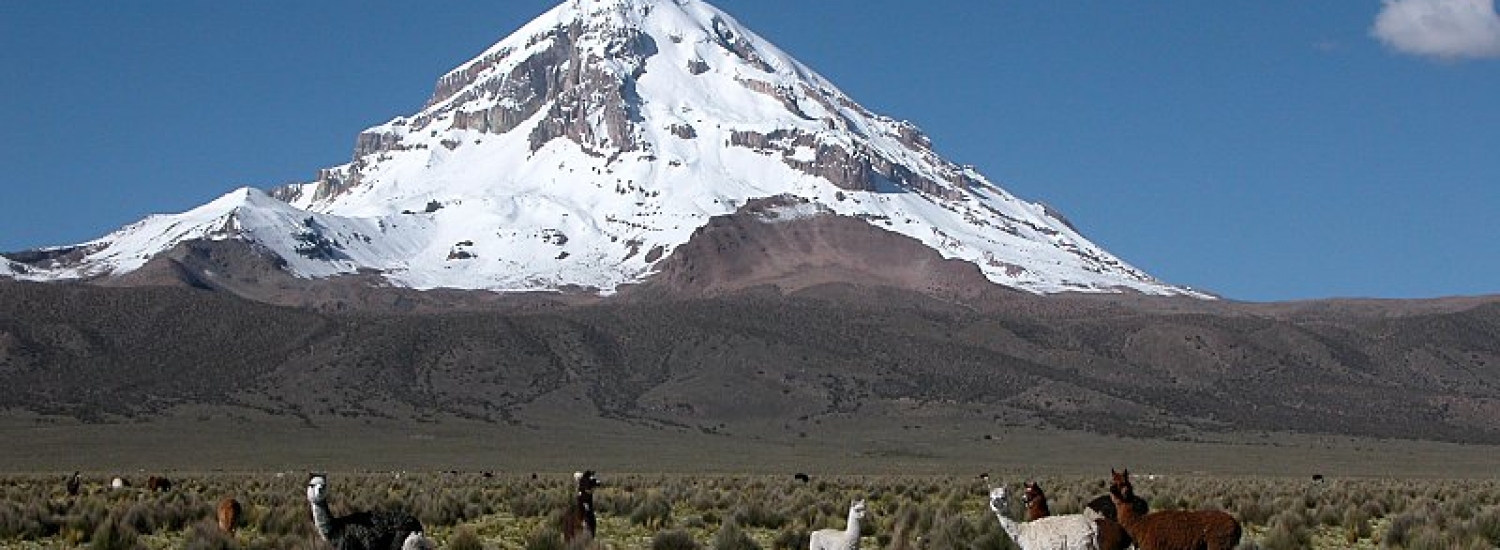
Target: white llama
{"x":1070,"y":532}
{"x":834,"y":539}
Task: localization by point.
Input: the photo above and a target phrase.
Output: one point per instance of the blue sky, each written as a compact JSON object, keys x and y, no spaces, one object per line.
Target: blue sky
{"x":1265,"y":151}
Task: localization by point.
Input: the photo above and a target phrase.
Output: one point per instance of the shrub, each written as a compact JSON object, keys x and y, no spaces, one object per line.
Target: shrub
{"x":1356,"y":525}
{"x":1427,"y":538}
{"x":207,"y":536}
{"x":140,"y":517}
{"x":653,"y":512}
{"x":443,"y":510}
{"x":114,"y":535}
{"x":545,"y":537}
{"x":1487,"y":525}
{"x":1286,"y":532}
{"x":1400,"y":531}
{"x":1257,"y":513}
{"x":758,"y":515}
{"x":284,"y":520}
{"x":790,"y":539}
{"x":951,"y":531}
{"x":24,"y":522}
{"x":732,"y":537}
{"x":674,"y":540}
{"x":464,"y":538}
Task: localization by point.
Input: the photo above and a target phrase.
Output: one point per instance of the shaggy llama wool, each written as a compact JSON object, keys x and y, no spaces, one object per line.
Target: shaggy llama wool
{"x":834,"y":539}
{"x":1070,"y":532}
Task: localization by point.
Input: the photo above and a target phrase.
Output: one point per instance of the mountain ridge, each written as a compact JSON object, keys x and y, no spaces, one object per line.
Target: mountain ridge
{"x":1122,"y":365}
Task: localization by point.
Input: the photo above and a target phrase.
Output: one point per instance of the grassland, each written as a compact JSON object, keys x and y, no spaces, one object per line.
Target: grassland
{"x":514,"y":511}
{"x":725,"y":488}
{"x":935,"y":444}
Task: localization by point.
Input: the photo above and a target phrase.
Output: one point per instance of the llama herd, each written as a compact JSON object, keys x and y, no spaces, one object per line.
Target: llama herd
{"x":1115,"y":521}
{"x":396,"y":530}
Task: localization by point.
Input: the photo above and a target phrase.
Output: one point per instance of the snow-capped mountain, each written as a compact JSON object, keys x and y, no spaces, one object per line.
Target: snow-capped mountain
{"x":591,"y":143}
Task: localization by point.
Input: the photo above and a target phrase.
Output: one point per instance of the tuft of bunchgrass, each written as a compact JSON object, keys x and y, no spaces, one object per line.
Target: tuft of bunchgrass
{"x":115,"y":535}
{"x":732,"y":537}
{"x":464,"y":538}
{"x":674,"y":540}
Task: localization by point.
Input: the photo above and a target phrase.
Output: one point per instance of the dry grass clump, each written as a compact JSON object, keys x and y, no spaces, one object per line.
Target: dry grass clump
{"x":674,"y":540}
{"x":474,"y":512}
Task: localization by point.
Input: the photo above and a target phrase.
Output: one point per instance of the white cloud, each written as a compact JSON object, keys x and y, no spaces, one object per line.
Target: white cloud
{"x":1447,"y":29}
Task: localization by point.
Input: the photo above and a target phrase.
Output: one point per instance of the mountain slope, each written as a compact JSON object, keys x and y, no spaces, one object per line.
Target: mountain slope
{"x":770,"y":363}
{"x":594,"y":141}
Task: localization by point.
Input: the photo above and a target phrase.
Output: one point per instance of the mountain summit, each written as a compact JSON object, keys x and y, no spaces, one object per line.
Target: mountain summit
{"x":589,"y":146}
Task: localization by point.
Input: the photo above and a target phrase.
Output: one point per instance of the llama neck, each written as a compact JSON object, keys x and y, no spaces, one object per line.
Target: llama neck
{"x":1010,"y":526}
{"x":322,"y":519}
{"x":1037,"y":509}
{"x":1125,"y":512}
{"x":851,"y":531}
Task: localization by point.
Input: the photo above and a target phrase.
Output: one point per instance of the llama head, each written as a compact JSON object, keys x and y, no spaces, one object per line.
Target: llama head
{"x":999,"y":501}
{"x":587,"y":480}
{"x":417,"y":541}
{"x":1032,"y":493}
{"x":857,"y":509}
{"x":1119,"y":484}
{"x":317,"y":487}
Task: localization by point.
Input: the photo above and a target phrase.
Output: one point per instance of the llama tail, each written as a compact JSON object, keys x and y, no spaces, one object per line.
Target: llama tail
{"x":417,"y":541}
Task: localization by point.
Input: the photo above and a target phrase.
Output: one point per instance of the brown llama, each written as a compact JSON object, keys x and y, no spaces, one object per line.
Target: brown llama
{"x":1035,"y":501}
{"x":1106,"y":507}
{"x":579,"y":520}
{"x":1172,"y":529}
{"x":229,"y":515}
{"x":1111,"y":535}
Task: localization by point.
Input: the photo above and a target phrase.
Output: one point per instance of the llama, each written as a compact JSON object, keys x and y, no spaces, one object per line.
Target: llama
{"x":74,"y":484}
{"x":579,"y":519}
{"x":1035,"y":501}
{"x":229,"y":515}
{"x":802,"y":477}
{"x":380,"y":530}
{"x":1070,"y":532}
{"x":1111,"y":535}
{"x":119,"y":483}
{"x":155,"y":484}
{"x":1172,"y":529}
{"x":834,"y":539}
{"x":1104,"y":505}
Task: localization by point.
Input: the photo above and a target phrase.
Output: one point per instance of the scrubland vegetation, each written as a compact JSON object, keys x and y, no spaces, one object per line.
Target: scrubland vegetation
{"x":668,"y":512}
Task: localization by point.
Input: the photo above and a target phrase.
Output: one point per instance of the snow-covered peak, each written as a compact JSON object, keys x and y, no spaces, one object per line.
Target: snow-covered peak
{"x":584,"y":147}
